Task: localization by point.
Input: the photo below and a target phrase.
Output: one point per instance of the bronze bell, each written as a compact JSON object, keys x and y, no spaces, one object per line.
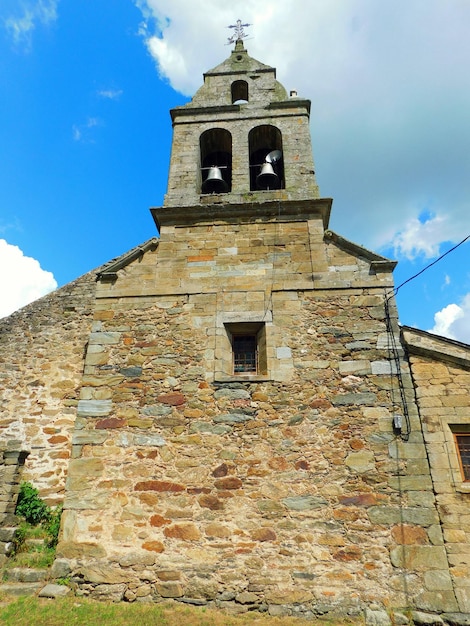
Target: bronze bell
{"x":214,"y":183}
{"x":267,"y":178}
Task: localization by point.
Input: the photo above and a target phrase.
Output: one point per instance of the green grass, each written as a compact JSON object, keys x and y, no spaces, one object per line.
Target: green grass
{"x":35,"y":557}
{"x":32,"y":532}
{"x":36,"y":554}
{"x":79,"y":611}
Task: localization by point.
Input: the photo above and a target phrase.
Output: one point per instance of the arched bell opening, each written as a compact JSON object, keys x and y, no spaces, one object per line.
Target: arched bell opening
{"x":216,"y":161}
{"x":266,"y":162}
{"x":240,"y":92}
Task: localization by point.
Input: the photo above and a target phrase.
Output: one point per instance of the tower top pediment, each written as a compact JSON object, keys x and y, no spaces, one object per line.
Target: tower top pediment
{"x":260,"y":81}
{"x":239,"y":62}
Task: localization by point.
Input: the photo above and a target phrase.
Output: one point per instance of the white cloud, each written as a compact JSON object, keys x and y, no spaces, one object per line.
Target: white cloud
{"x":424,"y":237}
{"x":22,"y":279}
{"x":80,"y":132}
{"x":110,"y":94}
{"x":453,"y":321}
{"x":21,"y":23}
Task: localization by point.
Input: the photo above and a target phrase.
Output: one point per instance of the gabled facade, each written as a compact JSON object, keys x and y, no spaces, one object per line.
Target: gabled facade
{"x":244,"y":426}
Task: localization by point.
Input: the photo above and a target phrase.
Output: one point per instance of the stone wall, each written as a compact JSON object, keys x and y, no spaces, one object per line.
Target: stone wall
{"x":281,"y":490}
{"x":255,"y":492}
{"x":42,"y":350}
{"x":441,"y":373}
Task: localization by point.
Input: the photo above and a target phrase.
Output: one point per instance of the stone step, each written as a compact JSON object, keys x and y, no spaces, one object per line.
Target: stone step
{"x":34,"y":542}
{"x":20,"y":589}
{"x":25,"y":574}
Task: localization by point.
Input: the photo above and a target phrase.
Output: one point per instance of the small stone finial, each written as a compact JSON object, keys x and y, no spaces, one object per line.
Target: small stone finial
{"x":239,"y":33}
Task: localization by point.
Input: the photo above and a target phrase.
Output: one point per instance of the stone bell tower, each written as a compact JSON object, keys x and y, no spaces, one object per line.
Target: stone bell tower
{"x":242,"y":170}
{"x":240,"y":120}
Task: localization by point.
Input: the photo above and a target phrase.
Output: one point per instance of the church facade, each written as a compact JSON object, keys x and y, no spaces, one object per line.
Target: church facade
{"x":231,"y":413}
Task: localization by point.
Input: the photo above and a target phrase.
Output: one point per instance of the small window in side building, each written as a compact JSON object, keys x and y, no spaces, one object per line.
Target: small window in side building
{"x":462,"y":441}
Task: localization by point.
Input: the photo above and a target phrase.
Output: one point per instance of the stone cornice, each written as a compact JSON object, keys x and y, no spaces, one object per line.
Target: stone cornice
{"x":432,"y":346}
{"x":378,"y":263}
{"x":187,"y":110}
{"x":249,"y":212}
{"x":108,"y":272}
{"x":294,"y":103}
{"x":230,"y":71}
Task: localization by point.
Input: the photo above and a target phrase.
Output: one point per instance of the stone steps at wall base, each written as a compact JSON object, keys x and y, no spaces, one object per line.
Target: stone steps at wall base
{"x":28,"y":581}
{"x":20,"y":589}
{"x":33,"y":542}
{"x":25,"y":575}
{"x":23,"y":581}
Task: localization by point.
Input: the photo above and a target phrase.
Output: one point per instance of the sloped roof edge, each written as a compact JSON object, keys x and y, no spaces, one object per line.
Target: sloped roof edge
{"x":424,"y":343}
{"x":237,"y":55}
{"x":377,"y":261}
{"x":109,"y":270}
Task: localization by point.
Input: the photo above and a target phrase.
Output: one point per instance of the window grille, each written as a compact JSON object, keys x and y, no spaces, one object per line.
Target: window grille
{"x":245,"y":357}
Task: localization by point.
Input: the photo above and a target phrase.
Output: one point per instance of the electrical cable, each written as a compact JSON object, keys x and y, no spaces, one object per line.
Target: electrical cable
{"x":395,"y":291}
{"x":392,"y":340}
{"x":397,"y":361}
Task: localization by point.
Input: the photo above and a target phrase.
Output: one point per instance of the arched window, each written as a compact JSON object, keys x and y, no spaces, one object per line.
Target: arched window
{"x":216,"y":161}
{"x":239,"y":92}
{"x":266,"y":162}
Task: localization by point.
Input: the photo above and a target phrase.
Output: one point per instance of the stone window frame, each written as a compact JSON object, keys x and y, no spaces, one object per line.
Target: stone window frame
{"x":451,"y":428}
{"x":464,"y":467}
{"x":256,"y":325}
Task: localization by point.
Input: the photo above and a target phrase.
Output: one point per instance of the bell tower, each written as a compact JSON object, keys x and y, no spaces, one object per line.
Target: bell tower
{"x":242,"y":222}
{"x":241,"y":139}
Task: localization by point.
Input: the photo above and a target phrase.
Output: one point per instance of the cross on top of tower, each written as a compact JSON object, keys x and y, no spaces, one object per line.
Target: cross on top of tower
{"x":239,"y":33}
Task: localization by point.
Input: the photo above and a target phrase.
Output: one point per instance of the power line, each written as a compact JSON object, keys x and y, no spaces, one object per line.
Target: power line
{"x":408,"y":280}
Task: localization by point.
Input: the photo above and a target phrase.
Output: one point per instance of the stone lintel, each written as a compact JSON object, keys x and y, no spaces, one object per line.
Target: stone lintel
{"x":251,"y":212}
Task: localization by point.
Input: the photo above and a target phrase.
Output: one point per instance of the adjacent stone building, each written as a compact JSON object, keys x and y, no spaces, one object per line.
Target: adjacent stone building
{"x":231,"y":413}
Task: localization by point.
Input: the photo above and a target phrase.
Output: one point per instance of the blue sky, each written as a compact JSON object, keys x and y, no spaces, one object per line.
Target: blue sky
{"x":85,"y":133}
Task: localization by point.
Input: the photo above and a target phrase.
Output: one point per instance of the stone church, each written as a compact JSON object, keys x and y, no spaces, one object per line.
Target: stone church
{"x":230,"y":413}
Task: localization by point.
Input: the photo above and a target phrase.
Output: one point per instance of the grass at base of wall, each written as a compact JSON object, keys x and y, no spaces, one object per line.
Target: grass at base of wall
{"x":33,"y":548}
{"x":35,"y":559}
{"x":79,"y":611}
